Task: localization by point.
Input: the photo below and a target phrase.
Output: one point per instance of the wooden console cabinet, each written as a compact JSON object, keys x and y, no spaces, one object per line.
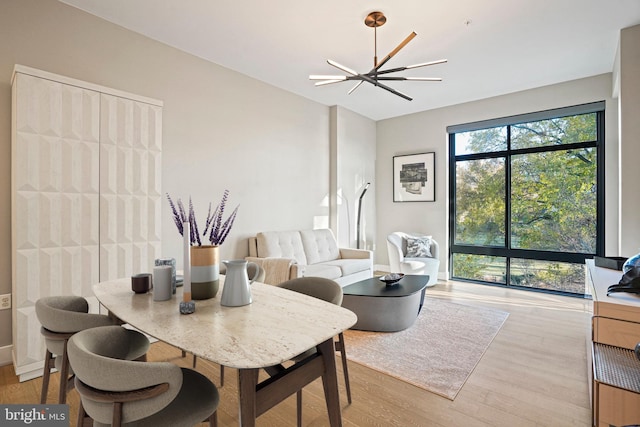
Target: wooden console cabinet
{"x":615,"y":331}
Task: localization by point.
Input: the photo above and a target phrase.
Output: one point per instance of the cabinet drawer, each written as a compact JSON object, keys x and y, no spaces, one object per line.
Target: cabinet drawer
{"x":617,"y":407}
{"x":618,"y":333}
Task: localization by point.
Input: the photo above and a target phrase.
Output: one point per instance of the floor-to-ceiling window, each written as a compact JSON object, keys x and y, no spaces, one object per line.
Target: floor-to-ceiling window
{"x":527,"y":198}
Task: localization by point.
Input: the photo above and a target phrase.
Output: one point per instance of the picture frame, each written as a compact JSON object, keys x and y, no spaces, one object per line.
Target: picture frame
{"x":414,"y":178}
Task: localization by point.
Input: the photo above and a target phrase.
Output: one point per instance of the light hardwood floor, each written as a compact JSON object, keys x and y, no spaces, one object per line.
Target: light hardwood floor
{"x":533,"y":374}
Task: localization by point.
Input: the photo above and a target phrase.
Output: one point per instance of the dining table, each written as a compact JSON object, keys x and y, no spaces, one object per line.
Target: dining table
{"x":274,"y":328}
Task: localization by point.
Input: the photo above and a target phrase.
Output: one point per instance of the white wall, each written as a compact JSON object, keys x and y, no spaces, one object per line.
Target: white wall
{"x":426,"y":131}
{"x":221,"y":129}
{"x":354,"y":145}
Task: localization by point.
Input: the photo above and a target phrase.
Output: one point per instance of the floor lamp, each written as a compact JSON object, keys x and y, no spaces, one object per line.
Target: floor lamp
{"x":360,"y":215}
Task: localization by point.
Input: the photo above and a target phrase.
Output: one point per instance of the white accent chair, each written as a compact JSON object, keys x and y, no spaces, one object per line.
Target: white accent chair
{"x":400,"y":263}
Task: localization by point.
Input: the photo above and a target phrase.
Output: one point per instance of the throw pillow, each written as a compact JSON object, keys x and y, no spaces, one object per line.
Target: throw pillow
{"x":419,"y":247}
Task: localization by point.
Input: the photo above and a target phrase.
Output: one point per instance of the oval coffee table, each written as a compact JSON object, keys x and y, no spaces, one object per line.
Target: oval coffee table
{"x":385,"y":308}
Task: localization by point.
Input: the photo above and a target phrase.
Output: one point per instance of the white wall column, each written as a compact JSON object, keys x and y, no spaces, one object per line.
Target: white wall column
{"x":629,"y":134}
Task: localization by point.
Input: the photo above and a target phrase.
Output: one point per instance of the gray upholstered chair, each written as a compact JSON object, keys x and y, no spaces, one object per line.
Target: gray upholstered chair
{"x":119,"y":392}
{"x":255,"y":273}
{"x":61,"y":317}
{"x":326,"y":290}
{"x":401,"y":260}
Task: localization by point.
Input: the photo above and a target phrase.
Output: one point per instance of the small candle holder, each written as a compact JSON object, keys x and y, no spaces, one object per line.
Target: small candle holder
{"x":171,"y":262}
{"x":187,"y":307}
{"x":141,"y":283}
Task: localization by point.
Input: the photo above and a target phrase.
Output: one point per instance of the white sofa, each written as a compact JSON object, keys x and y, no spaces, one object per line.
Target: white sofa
{"x":399,"y":262}
{"x":288,"y":255}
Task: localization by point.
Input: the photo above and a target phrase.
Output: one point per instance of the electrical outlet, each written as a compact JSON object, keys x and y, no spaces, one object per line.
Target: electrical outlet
{"x":5,"y":302}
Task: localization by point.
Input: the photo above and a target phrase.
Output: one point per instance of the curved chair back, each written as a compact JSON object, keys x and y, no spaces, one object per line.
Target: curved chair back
{"x":61,"y":317}
{"x":97,"y":357}
{"x":66,"y":314}
{"x":396,"y":248}
{"x":318,"y":287}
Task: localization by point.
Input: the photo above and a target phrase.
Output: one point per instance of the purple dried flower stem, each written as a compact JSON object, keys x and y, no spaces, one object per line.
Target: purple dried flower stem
{"x":213,"y":220}
{"x":208,"y":221}
{"x":226,"y":228}
{"x":195,"y":233}
{"x":218,"y":218}
{"x":176,"y":217}
{"x":183,"y":215}
{"x":218,"y":231}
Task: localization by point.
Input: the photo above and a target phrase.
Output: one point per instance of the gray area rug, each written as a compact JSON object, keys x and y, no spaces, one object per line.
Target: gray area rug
{"x":437,"y":353}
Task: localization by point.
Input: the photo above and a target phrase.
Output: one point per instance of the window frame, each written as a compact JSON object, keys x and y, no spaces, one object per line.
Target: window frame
{"x":498,"y":251}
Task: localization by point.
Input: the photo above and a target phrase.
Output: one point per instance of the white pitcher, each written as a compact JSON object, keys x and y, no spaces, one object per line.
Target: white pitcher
{"x":237,"y":291}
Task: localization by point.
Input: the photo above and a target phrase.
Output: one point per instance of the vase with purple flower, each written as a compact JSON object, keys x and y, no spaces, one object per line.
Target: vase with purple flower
{"x":205,"y":259}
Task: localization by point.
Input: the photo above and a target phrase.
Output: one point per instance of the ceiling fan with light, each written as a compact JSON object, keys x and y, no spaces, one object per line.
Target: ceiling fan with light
{"x":377,"y":75}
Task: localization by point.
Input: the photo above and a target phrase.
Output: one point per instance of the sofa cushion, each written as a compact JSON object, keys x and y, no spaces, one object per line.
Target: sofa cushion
{"x":281,"y":244}
{"x":319,"y":245}
{"x":350,"y":266}
{"x":323,"y":270}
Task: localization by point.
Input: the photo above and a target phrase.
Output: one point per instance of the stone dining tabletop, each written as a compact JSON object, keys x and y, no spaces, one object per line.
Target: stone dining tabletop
{"x":278,"y":325}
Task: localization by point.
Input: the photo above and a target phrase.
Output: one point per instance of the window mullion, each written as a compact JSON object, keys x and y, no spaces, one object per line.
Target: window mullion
{"x":507,"y":201}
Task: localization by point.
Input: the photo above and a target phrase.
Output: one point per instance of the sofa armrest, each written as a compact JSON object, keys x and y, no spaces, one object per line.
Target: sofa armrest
{"x":297,"y":270}
{"x":277,"y":270}
{"x":348,"y":253}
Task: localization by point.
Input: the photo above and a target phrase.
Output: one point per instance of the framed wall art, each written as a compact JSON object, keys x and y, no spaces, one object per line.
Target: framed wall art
{"x":414,"y":178}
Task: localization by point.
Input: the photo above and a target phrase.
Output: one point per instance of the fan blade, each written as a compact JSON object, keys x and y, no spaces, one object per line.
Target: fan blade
{"x":342,"y":67}
{"x":373,"y":73}
{"x":355,"y":87}
{"x":326,"y":77}
{"x":418,"y":79}
{"x":415,"y":79}
{"x":328,"y":82}
{"x":425,"y":79}
{"x":426,"y":64}
{"x":396,"y":50}
{"x":395,"y":92}
{"x":385,"y":87}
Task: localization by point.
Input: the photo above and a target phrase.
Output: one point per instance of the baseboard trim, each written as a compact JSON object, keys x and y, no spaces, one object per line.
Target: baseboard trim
{"x":381,"y":267}
{"x":5,"y":355}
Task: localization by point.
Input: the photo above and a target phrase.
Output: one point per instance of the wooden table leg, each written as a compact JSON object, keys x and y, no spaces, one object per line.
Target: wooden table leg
{"x":330,"y":382}
{"x":247,"y":382}
{"x":289,"y":382}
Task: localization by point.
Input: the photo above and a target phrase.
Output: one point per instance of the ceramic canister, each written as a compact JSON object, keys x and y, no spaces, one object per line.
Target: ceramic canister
{"x":162,"y":283}
{"x":171,"y":262}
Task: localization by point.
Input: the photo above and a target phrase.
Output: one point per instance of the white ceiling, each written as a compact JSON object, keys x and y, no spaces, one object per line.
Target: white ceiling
{"x":493,"y":47}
